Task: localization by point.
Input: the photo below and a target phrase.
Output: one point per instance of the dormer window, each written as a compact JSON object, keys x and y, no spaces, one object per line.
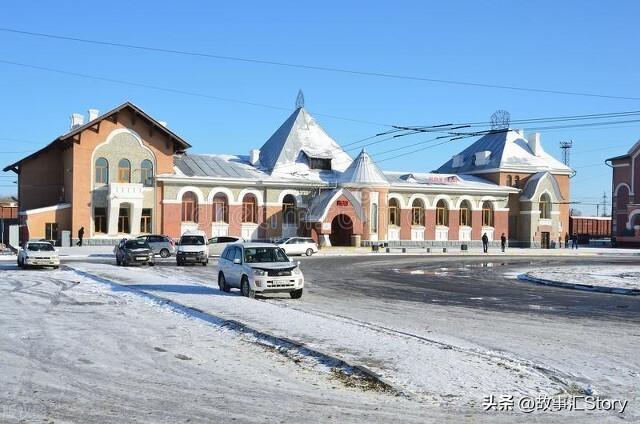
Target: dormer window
{"x":320,"y":163}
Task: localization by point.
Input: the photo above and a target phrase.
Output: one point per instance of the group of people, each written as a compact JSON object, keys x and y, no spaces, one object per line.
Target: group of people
{"x":573,"y":239}
{"x":485,"y":242}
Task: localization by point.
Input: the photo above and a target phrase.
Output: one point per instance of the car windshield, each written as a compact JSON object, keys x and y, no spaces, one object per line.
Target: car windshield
{"x":136,"y":244}
{"x":40,"y":247}
{"x":192,"y":240}
{"x":264,"y":254}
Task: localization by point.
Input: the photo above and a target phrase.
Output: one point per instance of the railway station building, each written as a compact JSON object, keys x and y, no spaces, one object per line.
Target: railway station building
{"x":124,"y":173}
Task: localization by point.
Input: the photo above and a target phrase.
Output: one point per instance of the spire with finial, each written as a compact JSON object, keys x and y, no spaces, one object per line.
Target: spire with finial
{"x":300,"y":100}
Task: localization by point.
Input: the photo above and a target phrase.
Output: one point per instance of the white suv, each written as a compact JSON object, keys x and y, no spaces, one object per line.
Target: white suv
{"x":259,"y":268}
{"x":193,"y":247}
{"x":298,"y":245}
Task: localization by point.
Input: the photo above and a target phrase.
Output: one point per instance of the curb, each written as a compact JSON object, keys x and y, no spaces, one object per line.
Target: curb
{"x":575,"y":286}
{"x":283,"y":345}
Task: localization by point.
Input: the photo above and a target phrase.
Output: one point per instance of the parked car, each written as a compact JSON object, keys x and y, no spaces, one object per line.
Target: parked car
{"x":217,"y":244}
{"x":298,"y":245}
{"x":161,"y":245}
{"x":259,"y":268}
{"x":193,"y":247}
{"x":38,"y":253}
{"x":134,"y":251}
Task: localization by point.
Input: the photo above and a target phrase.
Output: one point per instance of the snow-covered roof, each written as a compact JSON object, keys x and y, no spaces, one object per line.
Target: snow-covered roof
{"x":363,"y":171}
{"x":504,"y":151}
{"x":300,"y":135}
{"x":443,"y":181}
{"x":533,"y":182}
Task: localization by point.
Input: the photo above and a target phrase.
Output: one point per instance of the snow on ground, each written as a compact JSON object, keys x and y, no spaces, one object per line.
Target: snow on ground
{"x":620,"y":277}
{"x":427,"y":369}
{"x":74,"y":350}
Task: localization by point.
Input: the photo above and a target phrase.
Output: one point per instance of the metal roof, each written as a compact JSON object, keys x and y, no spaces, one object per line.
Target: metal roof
{"x":217,"y":167}
{"x":533,"y":182}
{"x":300,"y":133}
{"x":509,"y":150}
{"x":363,"y":170}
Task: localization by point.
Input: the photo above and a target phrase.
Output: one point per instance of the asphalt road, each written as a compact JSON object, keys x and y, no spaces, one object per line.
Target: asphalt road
{"x":484,"y":283}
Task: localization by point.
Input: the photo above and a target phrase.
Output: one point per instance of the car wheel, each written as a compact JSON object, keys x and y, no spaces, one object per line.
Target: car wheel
{"x":151,"y":263}
{"x":222,"y":283}
{"x":205,"y":263}
{"x":296,"y":294}
{"x":56,"y":267}
{"x":309,"y":252}
{"x":164,"y":253}
{"x":245,"y":288}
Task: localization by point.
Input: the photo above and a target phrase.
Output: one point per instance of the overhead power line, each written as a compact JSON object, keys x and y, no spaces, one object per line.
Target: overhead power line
{"x":377,"y":74}
{"x":176,"y":91}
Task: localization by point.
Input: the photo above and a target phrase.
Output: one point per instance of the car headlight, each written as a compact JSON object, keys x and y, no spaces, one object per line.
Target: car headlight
{"x":259,"y":272}
{"x":296,"y":271}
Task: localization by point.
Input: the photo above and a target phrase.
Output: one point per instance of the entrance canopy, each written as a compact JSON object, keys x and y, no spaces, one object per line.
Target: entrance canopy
{"x":321,"y":205}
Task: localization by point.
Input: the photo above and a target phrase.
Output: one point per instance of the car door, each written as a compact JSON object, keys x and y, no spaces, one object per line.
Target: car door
{"x":214,"y":249}
{"x":236,"y":269}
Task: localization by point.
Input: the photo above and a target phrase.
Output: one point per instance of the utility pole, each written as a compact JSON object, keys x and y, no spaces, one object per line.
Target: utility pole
{"x":566,"y":148}
{"x":604,"y":203}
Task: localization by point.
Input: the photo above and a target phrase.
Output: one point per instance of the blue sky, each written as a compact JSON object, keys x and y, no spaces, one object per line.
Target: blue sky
{"x":569,"y":46}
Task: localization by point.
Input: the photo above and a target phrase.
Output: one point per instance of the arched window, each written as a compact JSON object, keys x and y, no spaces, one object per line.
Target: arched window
{"x":545,"y":206}
{"x":465,"y":214}
{"x":517,"y":182}
{"x":124,"y":171}
{"x":442,"y":213}
{"x":394,"y":212}
{"x":146,"y":173}
{"x":289,"y":209}
{"x":102,"y":171}
{"x":509,"y":180}
{"x":487,"y":214}
{"x":189,"y":207}
{"x":417,"y":213}
{"x":249,"y":208}
{"x":373,"y":223}
{"x":622,"y":198}
{"x":220,"y":208}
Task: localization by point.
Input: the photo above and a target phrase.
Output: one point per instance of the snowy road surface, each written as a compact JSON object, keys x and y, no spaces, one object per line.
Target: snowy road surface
{"x":445,"y":356}
{"x":621,"y":276}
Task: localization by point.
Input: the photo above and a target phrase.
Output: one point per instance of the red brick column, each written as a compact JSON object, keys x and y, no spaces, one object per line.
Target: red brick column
{"x":476,"y":225}
{"x":171,"y":219}
{"x":429,"y":224}
{"x":405,"y":224}
{"x":454,"y":224}
{"x":501,"y":224}
{"x":235,"y":220}
{"x":204,"y":219}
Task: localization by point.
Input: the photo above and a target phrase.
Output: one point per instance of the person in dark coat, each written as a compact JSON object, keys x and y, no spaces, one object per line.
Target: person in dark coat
{"x":80,"y":236}
{"x":503,"y":242}
{"x":566,"y":240}
{"x":574,"y":241}
{"x":485,"y":242}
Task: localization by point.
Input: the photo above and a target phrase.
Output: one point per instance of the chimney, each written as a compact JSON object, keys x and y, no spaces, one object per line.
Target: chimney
{"x":254,"y":156}
{"x":77,"y":120}
{"x":534,"y":144}
{"x":93,"y":114}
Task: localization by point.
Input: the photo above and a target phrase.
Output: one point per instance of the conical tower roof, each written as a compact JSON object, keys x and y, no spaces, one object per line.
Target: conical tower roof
{"x":300,"y":133}
{"x":363,"y":171}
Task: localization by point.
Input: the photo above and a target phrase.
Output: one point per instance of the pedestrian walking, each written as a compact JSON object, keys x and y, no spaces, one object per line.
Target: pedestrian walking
{"x":503,"y":242}
{"x":80,"y":236}
{"x":566,"y":240}
{"x":485,"y":242}
{"x":574,"y":241}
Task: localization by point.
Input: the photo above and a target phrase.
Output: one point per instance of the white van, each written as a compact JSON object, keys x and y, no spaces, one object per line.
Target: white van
{"x":193,"y":248}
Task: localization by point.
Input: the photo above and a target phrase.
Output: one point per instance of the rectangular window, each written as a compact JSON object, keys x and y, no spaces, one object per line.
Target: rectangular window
{"x":249,"y":212}
{"x":319,"y":163}
{"x":464,"y":217}
{"x":123,"y":221}
{"x":393,"y":215}
{"x":145,"y":221}
{"x":374,"y":218}
{"x":417,"y":216}
{"x":100,"y":220}
{"x":124,"y":175}
{"x":51,"y":231}
{"x":146,"y":177}
{"x":442,"y":217}
{"x":102,"y":175}
{"x":219,"y":211}
{"x":487,"y":218}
